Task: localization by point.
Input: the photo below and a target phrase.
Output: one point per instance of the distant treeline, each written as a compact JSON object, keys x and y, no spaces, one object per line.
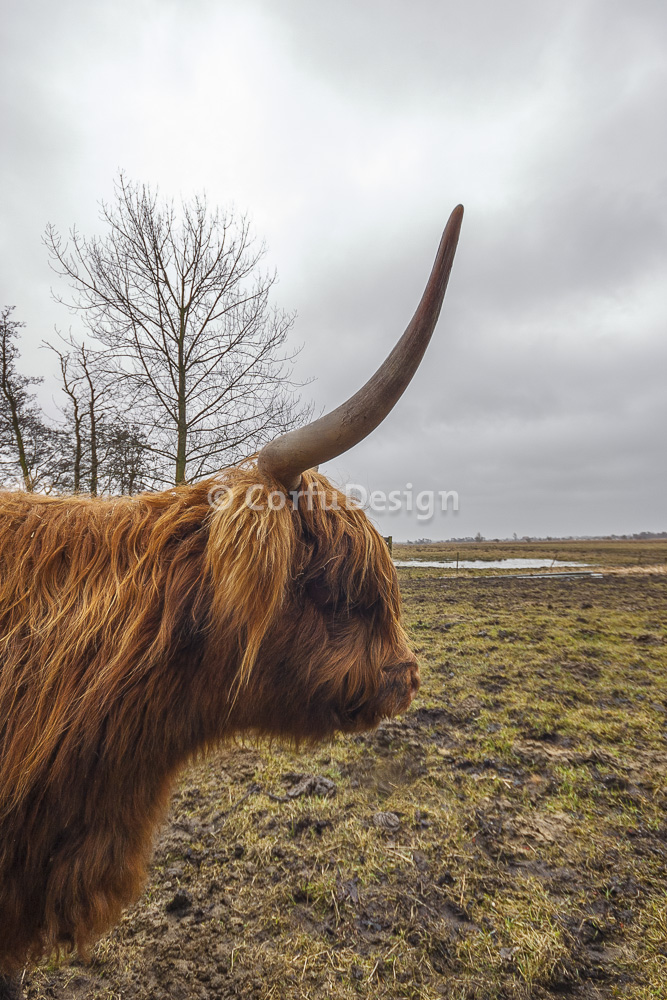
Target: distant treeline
{"x":637,"y":536}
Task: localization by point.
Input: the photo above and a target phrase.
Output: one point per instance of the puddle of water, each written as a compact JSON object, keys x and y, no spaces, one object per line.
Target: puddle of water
{"x":493,"y":564}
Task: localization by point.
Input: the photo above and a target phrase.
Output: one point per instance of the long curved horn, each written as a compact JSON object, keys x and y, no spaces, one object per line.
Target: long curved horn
{"x":289,"y":455}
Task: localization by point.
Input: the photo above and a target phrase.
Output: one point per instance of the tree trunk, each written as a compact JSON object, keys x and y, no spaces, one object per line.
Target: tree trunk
{"x":25,"y":471}
{"x":92,"y":403}
{"x":93,"y":448}
{"x":182,"y":428}
{"x":10,"y":396}
{"x":77,"y":449}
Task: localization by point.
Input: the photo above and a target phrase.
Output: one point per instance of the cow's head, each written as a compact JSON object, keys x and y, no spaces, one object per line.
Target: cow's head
{"x":306,"y":589}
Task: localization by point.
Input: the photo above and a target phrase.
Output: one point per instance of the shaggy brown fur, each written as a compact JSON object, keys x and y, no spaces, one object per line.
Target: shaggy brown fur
{"x":137,"y":632}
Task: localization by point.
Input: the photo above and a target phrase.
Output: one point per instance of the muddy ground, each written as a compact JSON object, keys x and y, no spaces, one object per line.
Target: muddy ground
{"x":507,"y":838}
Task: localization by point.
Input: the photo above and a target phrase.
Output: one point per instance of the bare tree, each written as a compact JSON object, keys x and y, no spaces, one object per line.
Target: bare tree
{"x":93,"y":390}
{"x":74,"y":413}
{"x":105,"y":453}
{"x":125,"y":465}
{"x":29,"y":449}
{"x":180,"y":304}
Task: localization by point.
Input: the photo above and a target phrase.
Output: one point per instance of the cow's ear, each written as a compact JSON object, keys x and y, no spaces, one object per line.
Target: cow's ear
{"x":249,"y":560}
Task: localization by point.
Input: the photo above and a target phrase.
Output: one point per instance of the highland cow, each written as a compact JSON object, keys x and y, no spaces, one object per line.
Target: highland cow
{"x":138,"y":631}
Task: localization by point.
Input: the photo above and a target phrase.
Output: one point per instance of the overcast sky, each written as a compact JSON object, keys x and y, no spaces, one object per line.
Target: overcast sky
{"x":348,"y":130}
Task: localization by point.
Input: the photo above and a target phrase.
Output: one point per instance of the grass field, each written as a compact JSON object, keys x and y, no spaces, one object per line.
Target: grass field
{"x":507,"y":838}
